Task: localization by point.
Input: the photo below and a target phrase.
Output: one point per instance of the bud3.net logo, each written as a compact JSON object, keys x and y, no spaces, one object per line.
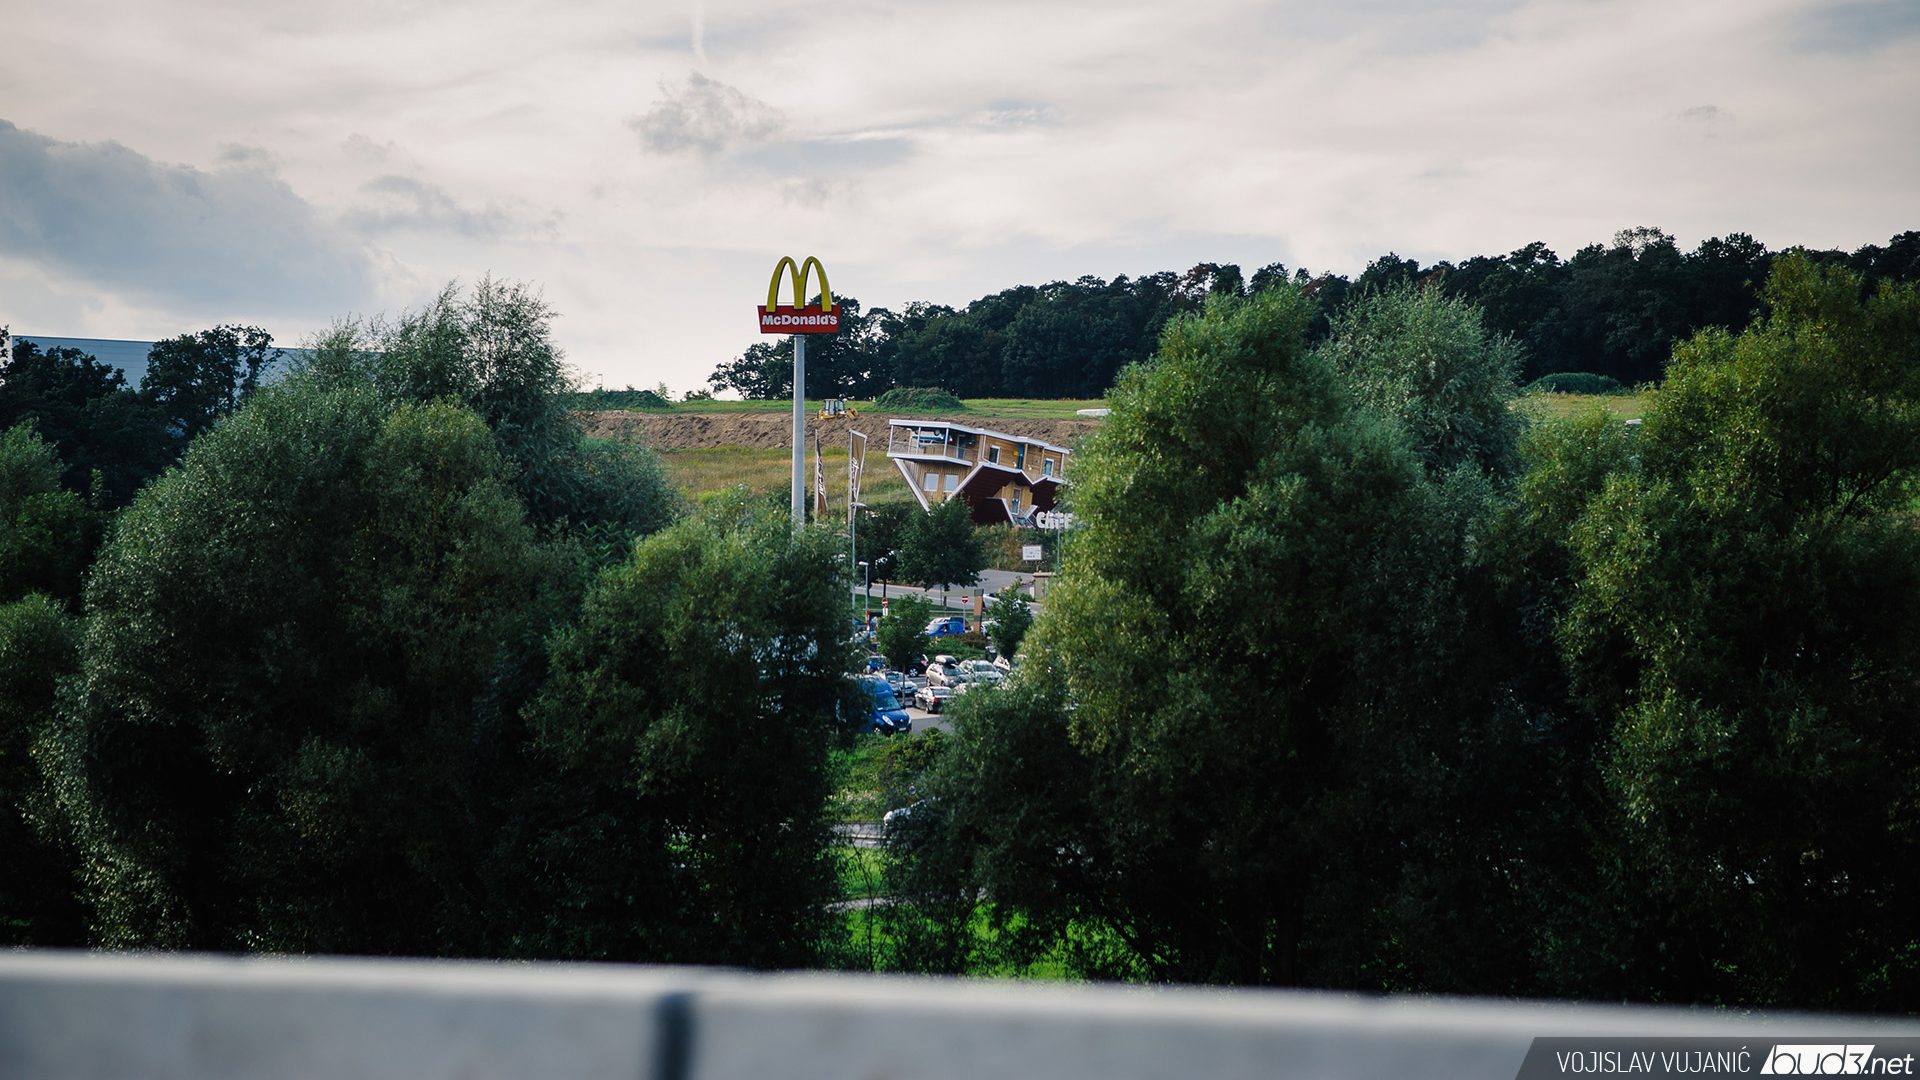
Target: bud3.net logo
{"x":1832,"y":1059}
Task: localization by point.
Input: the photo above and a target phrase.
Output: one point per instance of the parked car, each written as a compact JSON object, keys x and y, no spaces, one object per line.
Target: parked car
{"x":904,"y":817}
{"x":876,"y":664}
{"x":983,"y":671}
{"x":943,"y":674}
{"x":946,"y":626}
{"x":933,"y":698}
{"x":886,"y":717}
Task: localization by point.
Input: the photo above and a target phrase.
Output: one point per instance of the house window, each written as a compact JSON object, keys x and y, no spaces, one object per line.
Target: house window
{"x":1046,"y":467}
{"x":1016,"y":500}
{"x":951,"y":483}
{"x":993,"y":455}
{"x":931,"y":481}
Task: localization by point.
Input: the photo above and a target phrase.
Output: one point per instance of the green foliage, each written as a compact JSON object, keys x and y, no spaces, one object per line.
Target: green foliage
{"x":39,"y":645}
{"x":492,"y":349}
{"x":852,"y":363}
{"x":111,"y":439}
{"x":903,"y":766}
{"x":882,"y":532}
{"x":941,"y":548}
{"x":1232,"y":765}
{"x":302,"y":651}
{"x":903,"y":633}
{"x":46,"y":532}
{"x":1426,"y":360}
{"x":681,"y":750}
{"x":600,"y":398}
{"x":920,"y":398}
{"x":195,"y":379}
{"x":1576,"y":382}
{"x":1744,"y":628}
{"x":1011,"y":620}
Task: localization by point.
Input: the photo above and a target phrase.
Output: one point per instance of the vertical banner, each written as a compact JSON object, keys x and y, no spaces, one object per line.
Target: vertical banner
{"x":819,"y":480}
{"x":856,"y":462}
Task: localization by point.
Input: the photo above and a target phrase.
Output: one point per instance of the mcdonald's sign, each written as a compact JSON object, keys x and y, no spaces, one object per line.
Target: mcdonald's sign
{"x":797,"y":318}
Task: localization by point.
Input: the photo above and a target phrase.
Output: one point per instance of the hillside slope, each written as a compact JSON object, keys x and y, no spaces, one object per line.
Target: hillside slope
{"x":771,"y":431}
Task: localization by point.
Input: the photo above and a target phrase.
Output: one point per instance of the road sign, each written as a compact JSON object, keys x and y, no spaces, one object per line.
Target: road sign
{"x":1031,"y":552}
{"x":799,"y":317}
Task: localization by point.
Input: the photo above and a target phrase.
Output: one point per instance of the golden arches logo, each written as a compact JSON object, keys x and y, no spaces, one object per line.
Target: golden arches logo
{"x":798,"y":317}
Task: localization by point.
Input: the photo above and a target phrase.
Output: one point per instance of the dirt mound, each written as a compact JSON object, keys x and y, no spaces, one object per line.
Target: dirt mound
{"x":769,"y":430}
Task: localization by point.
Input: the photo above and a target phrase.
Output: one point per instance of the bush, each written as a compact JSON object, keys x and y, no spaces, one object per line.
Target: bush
{"x":600,"y":398}
{"x":1576,"y":382}
{"x":919,"y":397}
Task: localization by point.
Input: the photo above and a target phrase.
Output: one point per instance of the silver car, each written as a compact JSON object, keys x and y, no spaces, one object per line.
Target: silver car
{"x":933,"y":698}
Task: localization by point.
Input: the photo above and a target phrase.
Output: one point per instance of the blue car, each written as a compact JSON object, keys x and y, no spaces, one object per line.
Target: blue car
{"x":887,"y":718}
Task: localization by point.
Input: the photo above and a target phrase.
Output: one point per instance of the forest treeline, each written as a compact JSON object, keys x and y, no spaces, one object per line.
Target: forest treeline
{"x":1614,"y":309}
{"x":1353,"y":676}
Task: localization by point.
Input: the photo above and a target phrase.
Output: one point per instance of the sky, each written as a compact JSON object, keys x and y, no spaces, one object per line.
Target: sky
{"x":166,"y":166}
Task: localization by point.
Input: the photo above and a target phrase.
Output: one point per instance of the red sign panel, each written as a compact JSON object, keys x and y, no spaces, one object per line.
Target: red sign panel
{"x":787,"y":319}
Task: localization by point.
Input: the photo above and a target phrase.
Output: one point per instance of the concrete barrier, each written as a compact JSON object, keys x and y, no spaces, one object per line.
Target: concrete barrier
{"x":69,"y":1015}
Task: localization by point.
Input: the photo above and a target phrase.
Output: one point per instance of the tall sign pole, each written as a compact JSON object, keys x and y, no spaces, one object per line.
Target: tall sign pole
{"x":799,"y":428}
{"x":799,"y":319}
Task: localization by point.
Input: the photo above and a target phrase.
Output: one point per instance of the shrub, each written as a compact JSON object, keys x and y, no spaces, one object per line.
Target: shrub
{"x":1576,"y":382}
{"x":919,"y":397}
{"x":601,"y":398}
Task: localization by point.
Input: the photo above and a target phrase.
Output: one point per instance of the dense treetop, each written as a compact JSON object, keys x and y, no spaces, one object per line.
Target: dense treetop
{"x":1614,"y":309}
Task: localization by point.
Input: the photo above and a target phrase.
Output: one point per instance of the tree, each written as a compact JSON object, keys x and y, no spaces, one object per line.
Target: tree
{"x":491,"y":348}
{"x":882,"y":533}
{"x":851,"y":363}
{"x":1238,"y":769}
{"x":1427,"y":361}
{"x":903,"y":633}
{"x":197,"y":378}
{"x":297,"y":714}
{"x":46,"y":532}
{"x":681,"y":749}
{"x":39,"y":904}
{"x":111,"y":439}
{"x":1743,"y":630}
{"x":941,"y":547}
{"x":1011,"y":620}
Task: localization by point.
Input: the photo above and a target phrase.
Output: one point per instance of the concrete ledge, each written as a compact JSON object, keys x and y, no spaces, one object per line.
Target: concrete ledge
{"x":70,"y":1015}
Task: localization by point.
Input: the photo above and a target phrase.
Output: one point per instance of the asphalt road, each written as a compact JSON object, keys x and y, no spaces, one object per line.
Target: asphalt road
{"x":924,"y":721}
{"x":959,"y":598}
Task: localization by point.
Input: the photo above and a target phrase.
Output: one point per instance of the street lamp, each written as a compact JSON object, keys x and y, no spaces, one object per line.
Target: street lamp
{"x":866,"y":590}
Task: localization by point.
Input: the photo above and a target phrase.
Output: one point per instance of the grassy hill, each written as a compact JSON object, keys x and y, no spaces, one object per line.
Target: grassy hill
{"x":712,"y":445}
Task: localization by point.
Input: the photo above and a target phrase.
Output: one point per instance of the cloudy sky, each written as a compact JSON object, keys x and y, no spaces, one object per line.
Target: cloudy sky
{"x":165,"y":166}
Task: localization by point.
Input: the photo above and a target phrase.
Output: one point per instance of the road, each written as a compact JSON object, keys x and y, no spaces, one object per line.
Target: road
{"x":991,"y":581}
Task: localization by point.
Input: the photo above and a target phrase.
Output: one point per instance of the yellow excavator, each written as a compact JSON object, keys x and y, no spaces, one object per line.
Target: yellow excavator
{"x":833,"y":407}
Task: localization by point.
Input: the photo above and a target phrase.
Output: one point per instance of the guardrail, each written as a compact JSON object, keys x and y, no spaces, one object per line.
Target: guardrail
{"x":70,"y":1015}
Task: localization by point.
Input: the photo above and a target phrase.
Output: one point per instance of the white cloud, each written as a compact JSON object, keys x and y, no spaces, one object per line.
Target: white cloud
{"x":105,"y":215}
{"x":705,"y":116}
{"x":938,"y":151}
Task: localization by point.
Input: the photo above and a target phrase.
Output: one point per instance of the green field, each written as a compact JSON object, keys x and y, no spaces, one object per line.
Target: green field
{"x":976,"y":408}
{"x":715,"y":468}
{"x":1624,"y":406}
{"x":763,"y":470}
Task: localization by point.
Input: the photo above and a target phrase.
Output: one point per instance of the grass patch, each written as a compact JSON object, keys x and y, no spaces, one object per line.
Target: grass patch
{"x":1622,"y":406}
{"x":862,"y":871}
{"x":856,"y":780}
{"x":976,"y":408}
{"x":768,"y":470}
{"x":864,"y":942}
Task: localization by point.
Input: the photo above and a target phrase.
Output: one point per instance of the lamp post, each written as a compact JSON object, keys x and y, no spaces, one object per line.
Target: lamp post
{"x":866,"y":591}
